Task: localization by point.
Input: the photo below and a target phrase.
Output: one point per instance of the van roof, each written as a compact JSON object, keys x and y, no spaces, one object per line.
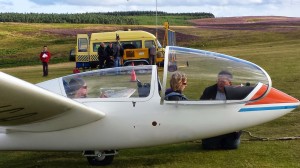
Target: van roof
{"x":130,"y":35}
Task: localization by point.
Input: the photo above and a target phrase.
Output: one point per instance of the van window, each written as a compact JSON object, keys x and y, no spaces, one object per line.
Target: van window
{"x":158,"y":44}
{"x":131,"y":44}
{"x":149,"y":43}
{"x":82,"y":45}
{"x":97,"y":45}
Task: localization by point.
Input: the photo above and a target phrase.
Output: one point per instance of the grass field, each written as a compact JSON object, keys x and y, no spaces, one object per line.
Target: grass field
{"x":275,"y":50}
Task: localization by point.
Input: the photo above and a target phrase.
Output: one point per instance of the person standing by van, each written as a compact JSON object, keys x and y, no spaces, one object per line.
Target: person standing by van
{"x":45,"y":56}
{"x":118,"y":55}
{"x":152,"y":55}
{"x":110,"y":51}
{"x":101,"y":55}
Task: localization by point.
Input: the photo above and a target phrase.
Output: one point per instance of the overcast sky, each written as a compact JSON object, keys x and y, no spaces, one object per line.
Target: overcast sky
{"x":220,"y":8}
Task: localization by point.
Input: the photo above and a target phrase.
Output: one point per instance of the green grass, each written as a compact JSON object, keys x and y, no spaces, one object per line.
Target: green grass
{"x":273,"y":154}
{"x":21,"y":43}
{"x":276,"y":52}
{"x":209,"y":39}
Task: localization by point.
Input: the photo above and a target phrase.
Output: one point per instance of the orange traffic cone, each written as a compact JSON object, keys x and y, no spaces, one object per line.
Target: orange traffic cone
{"x":133,"y":75}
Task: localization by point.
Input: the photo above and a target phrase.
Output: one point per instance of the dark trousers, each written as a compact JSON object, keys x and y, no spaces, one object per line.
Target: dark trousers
{"x":227,"y":141}
{"x":109,"y":62}
{"x":152,"y":59}
{"x":101,"y":62}
{"x":45,"y":68}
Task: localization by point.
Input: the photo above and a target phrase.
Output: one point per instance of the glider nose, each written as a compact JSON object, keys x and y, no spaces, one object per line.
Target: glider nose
{"x":276,"y":96}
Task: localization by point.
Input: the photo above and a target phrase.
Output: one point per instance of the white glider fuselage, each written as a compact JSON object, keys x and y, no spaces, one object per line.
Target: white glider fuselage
{"x":146,"y":124}
{"x":129,"y":120}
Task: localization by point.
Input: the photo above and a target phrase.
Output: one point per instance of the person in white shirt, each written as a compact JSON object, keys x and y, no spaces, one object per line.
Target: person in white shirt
{"x":217,"y":92}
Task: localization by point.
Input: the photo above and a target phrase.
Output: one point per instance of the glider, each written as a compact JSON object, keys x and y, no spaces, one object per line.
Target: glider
{"x":125,"y":107}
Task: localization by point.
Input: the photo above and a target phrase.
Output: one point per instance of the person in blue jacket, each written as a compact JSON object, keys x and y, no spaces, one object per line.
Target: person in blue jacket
{"x":178,"y":82}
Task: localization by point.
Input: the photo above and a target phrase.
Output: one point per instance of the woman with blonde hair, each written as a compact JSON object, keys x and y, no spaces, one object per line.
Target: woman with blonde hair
{"x":178,"y":83}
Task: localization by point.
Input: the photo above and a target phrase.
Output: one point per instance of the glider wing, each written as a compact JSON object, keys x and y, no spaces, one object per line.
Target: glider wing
{"x":27,"y":107}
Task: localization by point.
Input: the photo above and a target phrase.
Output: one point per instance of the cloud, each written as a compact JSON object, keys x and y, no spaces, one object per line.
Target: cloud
{"x":169,"y":3}
{"x":86,"y":2}
{"x":6,"y":3}
{"x":44,"y":2}
{"x":172,"y":6}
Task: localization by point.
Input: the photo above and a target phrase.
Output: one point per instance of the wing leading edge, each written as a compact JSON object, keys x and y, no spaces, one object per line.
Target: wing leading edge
{"x":26,"y":107}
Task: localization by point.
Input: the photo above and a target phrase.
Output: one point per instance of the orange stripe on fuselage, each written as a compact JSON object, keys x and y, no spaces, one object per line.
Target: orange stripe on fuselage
{"x":274,"y":96}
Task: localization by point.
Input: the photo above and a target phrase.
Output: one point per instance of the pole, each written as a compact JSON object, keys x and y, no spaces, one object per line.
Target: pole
{"x":156,"y":18}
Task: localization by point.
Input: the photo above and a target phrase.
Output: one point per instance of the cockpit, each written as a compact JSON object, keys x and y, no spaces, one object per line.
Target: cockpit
{"x":123,"y":82}
{"x":201,"y":68}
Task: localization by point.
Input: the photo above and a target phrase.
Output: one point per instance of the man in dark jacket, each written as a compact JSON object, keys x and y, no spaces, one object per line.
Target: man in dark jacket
{"x":101,"y":55}
{"x":217,"y":92}
{"x":110,"y":51}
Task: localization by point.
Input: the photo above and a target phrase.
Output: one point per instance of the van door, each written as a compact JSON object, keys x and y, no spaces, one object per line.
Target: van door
{"x":82,"y":51}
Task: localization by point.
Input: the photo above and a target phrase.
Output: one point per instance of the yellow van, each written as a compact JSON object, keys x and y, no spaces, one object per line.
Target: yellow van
{"x":136,"y":45}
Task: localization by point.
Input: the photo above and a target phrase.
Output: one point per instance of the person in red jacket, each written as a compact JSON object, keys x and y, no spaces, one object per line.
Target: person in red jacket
{"x":45,"y":56}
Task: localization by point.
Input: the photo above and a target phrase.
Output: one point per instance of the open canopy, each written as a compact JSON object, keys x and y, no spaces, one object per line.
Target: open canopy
{"x":202,"y":69}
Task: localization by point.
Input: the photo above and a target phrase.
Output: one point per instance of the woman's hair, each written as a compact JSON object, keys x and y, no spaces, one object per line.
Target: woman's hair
{"x":74,"y":85}
{"x":177,"y":80}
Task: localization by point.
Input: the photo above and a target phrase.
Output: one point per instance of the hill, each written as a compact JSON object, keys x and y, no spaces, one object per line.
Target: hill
{"x":249,"y":23}
{"x":21,"y":42}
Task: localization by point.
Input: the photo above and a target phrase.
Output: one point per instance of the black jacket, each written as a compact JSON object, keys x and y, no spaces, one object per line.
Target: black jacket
{"x":109,"y":51}
{"x":210,"y":93}
{"x":101,"y":53}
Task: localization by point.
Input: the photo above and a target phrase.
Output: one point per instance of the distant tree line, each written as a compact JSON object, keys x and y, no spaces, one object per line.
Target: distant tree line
{"x":160,"y":13}
{"x":94,"y":18}
{"x":65,"y":18}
